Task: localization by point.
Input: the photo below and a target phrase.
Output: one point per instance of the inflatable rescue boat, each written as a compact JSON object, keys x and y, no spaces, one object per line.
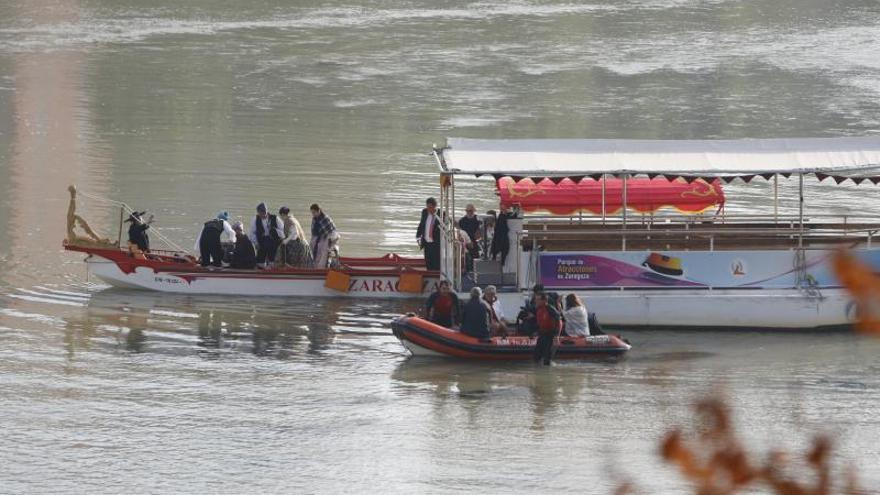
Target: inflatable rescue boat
{"x":423,"y":338}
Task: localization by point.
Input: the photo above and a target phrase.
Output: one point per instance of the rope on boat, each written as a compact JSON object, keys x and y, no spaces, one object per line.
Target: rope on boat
{"x":153,"y":230}
{"x":805,"y":282}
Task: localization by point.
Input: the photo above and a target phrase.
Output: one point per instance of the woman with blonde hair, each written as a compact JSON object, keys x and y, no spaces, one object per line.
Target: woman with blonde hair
{"x":295,"y":249}
{"x":576,"y":317}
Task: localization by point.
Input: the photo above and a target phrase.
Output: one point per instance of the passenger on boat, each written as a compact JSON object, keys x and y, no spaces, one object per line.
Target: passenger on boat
{"x":488,"y":232}
{"x":208,"y":242}
{"x":496,"y":317}
{"x":470,"y":224}
{"x":324,"y":236}
{"x":500,"y":239}
{"x":138,"y":240}
{"x":443,"y":307}
{"x":266,"y":234}
{"x":576,"y":318}
{"x":295,"y":250}
{"x":548,"y":319}
{"x":475,"y":318}
{"x":428,"y":234}
{"x":527,"y":318}
{"x":244,"y":256}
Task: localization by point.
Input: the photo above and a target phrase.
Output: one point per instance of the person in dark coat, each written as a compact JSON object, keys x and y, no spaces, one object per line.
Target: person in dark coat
{"x":137,"y":231}
{"x":266,"y":234}
{"x":208,"y":242}
{"x":244,"y":256}
{"x":500,"y":239}
{"x":428,"y":234}
{"x":475,"y":318}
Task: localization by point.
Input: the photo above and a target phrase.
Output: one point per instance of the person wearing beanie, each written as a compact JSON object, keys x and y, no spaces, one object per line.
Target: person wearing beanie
{"x":266,"y":234}
{"x":208,"y":242}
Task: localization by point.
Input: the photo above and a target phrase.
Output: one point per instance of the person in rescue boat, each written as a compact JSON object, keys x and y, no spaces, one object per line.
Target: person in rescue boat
{"x":243,"y":257}
{"x":266,"y":234}
{"x":324,"y":236}
{"x":576,"y":317}
{"x":497,"y":323}
{"x":475,"y":318}
{"x":137,"y":231}
{"x":295,"y":250}
{"x":442,"y":306}
{"x":208,"y":242}
{"x":527,"y":317}
{"x":548,"y":319}
{"x":428,"y":234}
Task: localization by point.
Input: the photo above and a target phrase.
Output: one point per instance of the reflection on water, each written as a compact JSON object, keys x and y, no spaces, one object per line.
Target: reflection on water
{"x":189,"y":109}
{"x":218,"y":325}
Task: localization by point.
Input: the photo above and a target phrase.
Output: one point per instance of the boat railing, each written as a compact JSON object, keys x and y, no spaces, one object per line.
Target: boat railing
{"x":720,"y":219}
{"x":709,"y":237}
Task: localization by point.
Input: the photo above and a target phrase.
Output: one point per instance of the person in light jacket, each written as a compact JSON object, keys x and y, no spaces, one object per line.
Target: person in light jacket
{"x":295,"y":250}
{"x":576,"y":318}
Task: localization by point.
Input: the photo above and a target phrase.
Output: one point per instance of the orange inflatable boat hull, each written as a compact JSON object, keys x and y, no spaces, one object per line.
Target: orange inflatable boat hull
{"x":423,"y":338}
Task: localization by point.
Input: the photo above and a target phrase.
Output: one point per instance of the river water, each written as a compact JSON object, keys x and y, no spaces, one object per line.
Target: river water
{"x":189,"y":108}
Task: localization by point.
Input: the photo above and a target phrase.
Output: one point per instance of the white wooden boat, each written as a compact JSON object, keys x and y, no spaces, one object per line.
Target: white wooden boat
{"x":389,"y":276}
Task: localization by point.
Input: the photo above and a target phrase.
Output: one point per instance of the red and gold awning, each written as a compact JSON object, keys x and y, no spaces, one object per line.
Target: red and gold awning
{"x":568,"y":197}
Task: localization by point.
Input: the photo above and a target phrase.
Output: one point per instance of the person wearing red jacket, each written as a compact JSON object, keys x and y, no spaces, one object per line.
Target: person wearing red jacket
{"x":548,"y":328}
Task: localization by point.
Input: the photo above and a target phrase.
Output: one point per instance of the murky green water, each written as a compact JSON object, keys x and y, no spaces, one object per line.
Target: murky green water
{"x":188,"y":109}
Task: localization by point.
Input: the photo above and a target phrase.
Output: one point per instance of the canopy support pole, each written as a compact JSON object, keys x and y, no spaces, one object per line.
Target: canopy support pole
{"x":121,"y":223}
{"x":776,"y":198}
{"x":603,"y":197}
{"x":623,"y":237}
{"x":453,"y":244}
{"x":801,"y":210}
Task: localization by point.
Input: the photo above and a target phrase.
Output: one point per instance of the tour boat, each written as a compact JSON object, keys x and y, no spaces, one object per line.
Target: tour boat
{"x":692,"y":268}
{"x":423,"y":338}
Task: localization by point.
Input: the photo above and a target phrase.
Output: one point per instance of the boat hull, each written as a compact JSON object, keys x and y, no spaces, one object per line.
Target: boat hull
{"x":425,"y":339}
{"x":186,"y":278}
{"x":757,"y":309}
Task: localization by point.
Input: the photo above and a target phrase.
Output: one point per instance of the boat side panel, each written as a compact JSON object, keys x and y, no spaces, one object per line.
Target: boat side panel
{"x":701,"y":308}
{"x":378,"y":286}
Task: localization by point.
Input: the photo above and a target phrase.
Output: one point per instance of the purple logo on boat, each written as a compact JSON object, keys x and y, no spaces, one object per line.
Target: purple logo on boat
{"x":583,"y":270}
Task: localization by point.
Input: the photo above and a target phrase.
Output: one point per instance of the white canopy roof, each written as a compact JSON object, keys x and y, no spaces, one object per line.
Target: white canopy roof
{"x":706,"y":158}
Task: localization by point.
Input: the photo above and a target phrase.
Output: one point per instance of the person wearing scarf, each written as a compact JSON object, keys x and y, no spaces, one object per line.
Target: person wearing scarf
{"x":295,"y":250}
{"x":324,"y":236}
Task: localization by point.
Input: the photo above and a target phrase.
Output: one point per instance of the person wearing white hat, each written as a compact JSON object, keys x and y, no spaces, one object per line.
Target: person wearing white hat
{"x":208,"y":242}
